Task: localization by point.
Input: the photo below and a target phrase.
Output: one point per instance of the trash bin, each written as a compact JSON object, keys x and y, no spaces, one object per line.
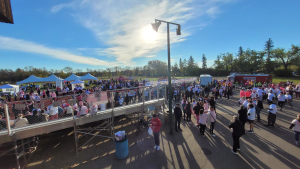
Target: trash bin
{"x":122,"y":148}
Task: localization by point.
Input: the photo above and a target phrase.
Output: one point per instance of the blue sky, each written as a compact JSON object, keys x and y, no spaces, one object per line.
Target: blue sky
{"x":99,"y":34}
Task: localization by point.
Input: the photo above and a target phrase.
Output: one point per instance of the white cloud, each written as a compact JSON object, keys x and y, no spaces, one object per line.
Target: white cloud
{"x":31,"y":47}
{"x":57,"y":8}
{"x":124,"y":26}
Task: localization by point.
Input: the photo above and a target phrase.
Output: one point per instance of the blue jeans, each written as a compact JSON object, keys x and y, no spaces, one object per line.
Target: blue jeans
{"x":258,"y":114}
{"x":297,"y":135}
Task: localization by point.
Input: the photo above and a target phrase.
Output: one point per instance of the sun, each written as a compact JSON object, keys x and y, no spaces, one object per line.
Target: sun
{"x":148,"y":34}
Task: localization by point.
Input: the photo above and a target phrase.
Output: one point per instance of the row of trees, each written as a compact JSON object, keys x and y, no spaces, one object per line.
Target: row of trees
{"x":252,"y":61}
{"x":245,"y":61}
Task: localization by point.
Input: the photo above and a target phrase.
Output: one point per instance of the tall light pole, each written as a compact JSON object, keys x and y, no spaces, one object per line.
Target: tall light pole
{"x":178,"y":31}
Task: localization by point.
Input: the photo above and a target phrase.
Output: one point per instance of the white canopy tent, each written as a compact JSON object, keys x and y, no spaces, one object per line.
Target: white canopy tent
{"x":77,"y":82}
{"x":72,"y":77}
{"x":10,"y":88}
{"x":88,"y":77}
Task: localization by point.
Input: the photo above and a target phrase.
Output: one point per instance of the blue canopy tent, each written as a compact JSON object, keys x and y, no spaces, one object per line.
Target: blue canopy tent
{"x":34,"y":79}
{"x":51,"y":78}
{"x":88,"y":77}
{"x":72,"y":77}
{"x":30,"y":79}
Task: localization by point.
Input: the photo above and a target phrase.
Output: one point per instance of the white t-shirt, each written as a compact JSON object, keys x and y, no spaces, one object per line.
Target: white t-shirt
{"x":288,"y":97}
{"x":270,"y":96}
{"x":53,"y":110}
{"x":267,"y":90}
{"x":83,"y":110}
{"x":253,"y":95}
{"x":260,"y":92}
{"x":281,"y":98}
{"x":203,"y":118}
{"x":212,"y":115}
{"x":274,"y":107}
{"x":297,"y":125}
{"x":75,"y":106}
{"x":241,"y":101}
{"x":252,"y":114}
{"x":278,"y":92}
{"x":69,"y":110}
{"x":245,"y":104}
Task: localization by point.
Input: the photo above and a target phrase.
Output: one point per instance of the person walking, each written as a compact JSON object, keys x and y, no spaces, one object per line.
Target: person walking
{"x":212,"y":103}
{"x":183,"y":104}
{"x":178,"y":115}
{"x":188,"y":110}
{"x":243,"y":116}
{"x":237,"y":132}
{"x":281,"y":100}
{"x":288,"y":98}
{"x":212,"y":118}
{"x":242,"y":93}
{"x":258,"y":107}
{"x":202,"y":122}
{"x":155,"y":125}
{"x":197,"y":109}
{"x":272,"y":114}
{"x":296,"y":124}
{"x":251,"y":117}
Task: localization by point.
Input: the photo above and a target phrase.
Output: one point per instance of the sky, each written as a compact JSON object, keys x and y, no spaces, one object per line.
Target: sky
{"x":97,"y":34}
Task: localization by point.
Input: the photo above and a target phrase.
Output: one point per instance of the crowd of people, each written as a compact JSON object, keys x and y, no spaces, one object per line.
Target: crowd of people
{"x":79,"y":107}
{"x":200,"y":102}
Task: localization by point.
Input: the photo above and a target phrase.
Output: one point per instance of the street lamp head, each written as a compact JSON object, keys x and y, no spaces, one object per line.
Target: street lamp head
{"x":178,"y":30}
{"x":156,"y":25}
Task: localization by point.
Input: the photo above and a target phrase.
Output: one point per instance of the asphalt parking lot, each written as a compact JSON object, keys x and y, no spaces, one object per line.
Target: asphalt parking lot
{"x":268,"y":147}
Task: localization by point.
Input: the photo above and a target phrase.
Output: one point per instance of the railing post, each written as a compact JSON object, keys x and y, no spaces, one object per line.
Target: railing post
{"x":143,"y":99}
{"x":7,"y":119}
{"x":157,"y":93}
{"x":112,"y":117}
{"x":75,"y":132}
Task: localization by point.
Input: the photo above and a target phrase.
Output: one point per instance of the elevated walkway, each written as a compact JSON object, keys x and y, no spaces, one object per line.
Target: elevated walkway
{"x":67,"y":122}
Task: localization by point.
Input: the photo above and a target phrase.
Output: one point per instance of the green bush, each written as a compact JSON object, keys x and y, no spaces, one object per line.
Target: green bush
{"x":283,"y":73}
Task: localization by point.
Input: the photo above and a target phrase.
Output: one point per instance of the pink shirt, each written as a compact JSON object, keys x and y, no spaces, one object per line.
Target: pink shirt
{"x":242,"y":93}
{"x":53,"y":95}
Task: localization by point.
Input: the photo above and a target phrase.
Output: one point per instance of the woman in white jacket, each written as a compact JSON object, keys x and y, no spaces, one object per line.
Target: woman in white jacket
{"x":212,"y":119}
{"x":296,"y":124}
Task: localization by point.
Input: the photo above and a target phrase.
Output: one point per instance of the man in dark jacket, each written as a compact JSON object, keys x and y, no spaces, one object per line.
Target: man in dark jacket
{"x":187,"y":94}
{"x":243,"y":116}
{"x":212,"y":103}
{"x":34,"y":118}
{"x":178,"y":115}
{"x":259,"y":106}
{"x":237,"y":132}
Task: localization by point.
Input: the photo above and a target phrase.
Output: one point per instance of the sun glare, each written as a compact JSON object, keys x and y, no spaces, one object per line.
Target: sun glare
{"x":148,"y":34}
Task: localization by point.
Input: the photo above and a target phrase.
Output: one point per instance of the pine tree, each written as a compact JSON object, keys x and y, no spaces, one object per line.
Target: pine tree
{"x":241,"y":52}
{"x":180,"y":66}
{"x":268,"y":47}
{"x":204,"y":62}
